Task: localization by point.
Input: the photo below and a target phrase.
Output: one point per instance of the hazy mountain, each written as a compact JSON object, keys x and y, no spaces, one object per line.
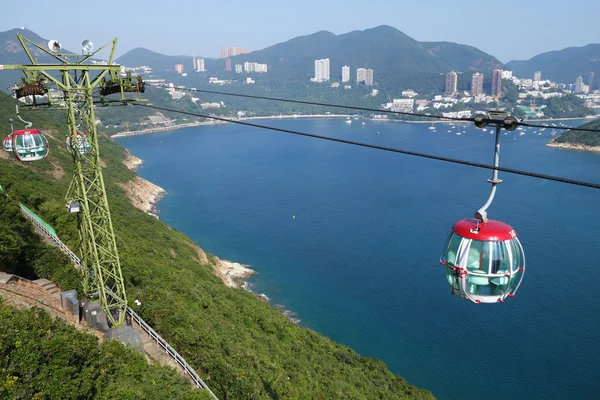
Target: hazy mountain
{"x":395,"y":57}
{"x":563,"y":66}
{"x":11,"y":52}
{"x":158,"y":62}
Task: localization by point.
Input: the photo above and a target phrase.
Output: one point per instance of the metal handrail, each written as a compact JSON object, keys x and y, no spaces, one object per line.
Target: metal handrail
{"x":159,"y":340}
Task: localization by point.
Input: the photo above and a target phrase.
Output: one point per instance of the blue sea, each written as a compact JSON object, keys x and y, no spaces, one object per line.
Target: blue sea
{"x":359,"y":263}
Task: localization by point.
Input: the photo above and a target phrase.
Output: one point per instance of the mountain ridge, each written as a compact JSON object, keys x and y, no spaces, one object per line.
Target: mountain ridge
{"x":563,"y":66}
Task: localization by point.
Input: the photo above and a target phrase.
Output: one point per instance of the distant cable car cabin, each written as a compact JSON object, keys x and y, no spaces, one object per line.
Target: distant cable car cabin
{"x":30,"y":145}
{"x":484,"y":261}
{"x":83,"y":142}
{"x":7,"y":144}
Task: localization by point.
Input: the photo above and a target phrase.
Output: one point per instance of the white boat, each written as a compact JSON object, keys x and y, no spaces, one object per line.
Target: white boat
{"x":364,"y":123}
{"x":348,"y":121}
{"x":378,"y":133}
{"x":521,"y":133}
{"x":459,"y":133}
{"x":432,"y":127}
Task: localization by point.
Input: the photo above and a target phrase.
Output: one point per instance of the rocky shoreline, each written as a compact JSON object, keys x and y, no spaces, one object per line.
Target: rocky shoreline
{"x":144,"y":195}
{"x":572,"y":146}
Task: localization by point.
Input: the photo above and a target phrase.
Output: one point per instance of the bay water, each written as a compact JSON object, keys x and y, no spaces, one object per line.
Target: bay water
{"x":359,"y":263}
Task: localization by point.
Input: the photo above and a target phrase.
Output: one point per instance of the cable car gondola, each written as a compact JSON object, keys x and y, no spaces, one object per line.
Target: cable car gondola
{"x":83,"y":142}
{"x":30,"y":145}
{"x":483,"y":259}
{"x":7,"y":144}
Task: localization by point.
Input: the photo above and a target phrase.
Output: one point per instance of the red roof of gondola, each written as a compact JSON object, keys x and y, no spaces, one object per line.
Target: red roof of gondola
{"x":27,"y":131}
{"x":488,"y":231}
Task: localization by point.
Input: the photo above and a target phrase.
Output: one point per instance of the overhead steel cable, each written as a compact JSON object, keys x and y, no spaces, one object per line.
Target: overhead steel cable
{"x":571,"y":128}
{"x":438,"y":117}
{"x":385,"y":148}
{"x":7,"y":97}
{"x":312,"y":103}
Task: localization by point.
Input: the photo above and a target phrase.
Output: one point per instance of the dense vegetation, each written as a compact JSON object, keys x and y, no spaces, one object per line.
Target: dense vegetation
{"x":569,"y":106}
{"x":45,"y":358}
{"x":243,"y":347}
{"x":583,"y":138}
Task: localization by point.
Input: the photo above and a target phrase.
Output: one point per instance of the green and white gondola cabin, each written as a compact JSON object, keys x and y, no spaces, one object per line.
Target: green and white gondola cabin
{"x":484,"y":261}
{"x":83,"y":142}
{"x":30,"y":145}
{"x":7,"y":144}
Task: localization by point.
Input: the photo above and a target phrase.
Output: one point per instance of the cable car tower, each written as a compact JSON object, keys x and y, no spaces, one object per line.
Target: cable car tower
{"x":75,"y":80}
{"x":483,"y":258}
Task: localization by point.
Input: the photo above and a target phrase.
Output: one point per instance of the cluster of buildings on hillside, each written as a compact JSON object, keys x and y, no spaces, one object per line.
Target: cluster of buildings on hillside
{"x":322,"y":74}
{"x":476,"y":84}
{"x":249,"y":67}
{"x":529,"y":90}
{"x":233,"y":51}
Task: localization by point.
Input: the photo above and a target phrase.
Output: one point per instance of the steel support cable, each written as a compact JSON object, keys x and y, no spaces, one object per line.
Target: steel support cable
{"x":311,"y":103}
{"x":390,"y":149}
{"x":439,"y":117}
{"x":571,"y":128}
{"x":7,"y":97}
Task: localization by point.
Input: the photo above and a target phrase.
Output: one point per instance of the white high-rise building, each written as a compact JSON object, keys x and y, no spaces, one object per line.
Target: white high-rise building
{"x":364,"y":75}
{"x":579,"y":85}
{"x":200,"y":64}
{"x":361,"y":75}
{"x":238,"y":68}
{"x":255,"y":67}
{"x":537,"y":76}
{"x":345,"y":73}
{"x":321,"y":70}
{"x":369,"y":81}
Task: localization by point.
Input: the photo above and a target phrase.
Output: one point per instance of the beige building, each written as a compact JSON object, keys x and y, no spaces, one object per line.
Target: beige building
{"x":451,"y":83}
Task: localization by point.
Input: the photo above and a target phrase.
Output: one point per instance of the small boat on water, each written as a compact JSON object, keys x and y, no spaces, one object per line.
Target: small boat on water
{"x":348,"y":121}
{"x":364,"y":123}
{"x":432,"y":127}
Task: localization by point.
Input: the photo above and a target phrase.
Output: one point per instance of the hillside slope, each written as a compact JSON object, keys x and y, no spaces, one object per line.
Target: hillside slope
{"x":241,"y":346}
{"x":45,"y":358}
{"x":580,"y":140}
{"x":562,"y":65}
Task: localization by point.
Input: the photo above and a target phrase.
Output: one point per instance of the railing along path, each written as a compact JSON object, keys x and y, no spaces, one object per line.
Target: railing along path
{"x":155,"y":336}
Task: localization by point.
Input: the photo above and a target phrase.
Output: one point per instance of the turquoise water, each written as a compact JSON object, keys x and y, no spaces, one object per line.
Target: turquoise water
{"x":360,"y":262}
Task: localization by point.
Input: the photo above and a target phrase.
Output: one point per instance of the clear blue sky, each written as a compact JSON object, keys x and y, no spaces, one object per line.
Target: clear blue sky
{"x":507,"y":29}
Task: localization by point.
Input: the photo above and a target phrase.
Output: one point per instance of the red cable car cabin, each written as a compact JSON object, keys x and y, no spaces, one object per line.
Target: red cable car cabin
{"x":484,"y":261}
{"x":30,"y":145}
{"x":7,"y":143}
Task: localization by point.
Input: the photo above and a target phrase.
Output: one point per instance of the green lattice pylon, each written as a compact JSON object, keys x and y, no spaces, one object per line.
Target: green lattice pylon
{"x":101,"y":269}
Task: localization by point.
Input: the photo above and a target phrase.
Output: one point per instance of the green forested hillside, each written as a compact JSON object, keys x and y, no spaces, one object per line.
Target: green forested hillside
{"x":583,"y":138}
{"x":242,"y":347}
{"x":42,"y":358}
